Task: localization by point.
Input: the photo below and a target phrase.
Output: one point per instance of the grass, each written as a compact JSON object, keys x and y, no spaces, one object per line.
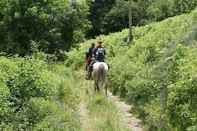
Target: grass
{"x":102,"y":114}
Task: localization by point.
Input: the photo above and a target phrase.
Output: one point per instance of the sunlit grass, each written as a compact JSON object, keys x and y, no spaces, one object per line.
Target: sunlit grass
{"x":104,"y":114}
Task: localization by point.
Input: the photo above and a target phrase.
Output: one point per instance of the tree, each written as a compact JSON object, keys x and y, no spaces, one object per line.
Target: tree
{"x":117,"y":18}
{"x":160,"y":10}
{"x":112,"y":15}
{"x":184,"y":6}
{"x":98,"y":11}
{"x":130,"y":38}
{"x":53,"y":24}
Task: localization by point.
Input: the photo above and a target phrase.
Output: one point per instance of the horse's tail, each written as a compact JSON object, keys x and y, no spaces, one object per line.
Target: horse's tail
{"x":101,"y":72}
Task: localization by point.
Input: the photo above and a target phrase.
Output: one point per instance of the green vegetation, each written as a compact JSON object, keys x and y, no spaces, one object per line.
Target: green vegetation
{"x":37,"y":96}
{"x":51,"y":26}
{"x":163,"y":56}
{"x":104,"y":115}
{"x":112,"y":15}
{"x":55,"y":26}
{"x":99,"y":111}
{"x":157,"y":73}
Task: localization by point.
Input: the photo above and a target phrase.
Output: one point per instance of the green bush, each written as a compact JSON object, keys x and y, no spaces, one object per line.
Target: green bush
{"x":4,"y":103}
{"x":34,"y":95}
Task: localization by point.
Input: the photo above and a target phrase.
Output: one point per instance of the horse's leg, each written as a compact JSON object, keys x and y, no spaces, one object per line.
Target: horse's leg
{"x":105,"y":86}
{"x":97,"y":86}
{"x":105,"y":90}
{"x":104,"y":83}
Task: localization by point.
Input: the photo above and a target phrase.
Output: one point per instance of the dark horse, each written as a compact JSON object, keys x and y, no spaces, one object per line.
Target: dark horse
{"x":100,"y":76}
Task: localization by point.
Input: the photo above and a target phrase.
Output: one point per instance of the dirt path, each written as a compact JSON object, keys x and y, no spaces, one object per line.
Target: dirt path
{"x":83,"y":111}
{"x":127,"y":118}
{"x":84,"y":117}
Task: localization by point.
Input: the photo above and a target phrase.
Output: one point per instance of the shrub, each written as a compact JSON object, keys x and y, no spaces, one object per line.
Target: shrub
{"x":34,"y":95}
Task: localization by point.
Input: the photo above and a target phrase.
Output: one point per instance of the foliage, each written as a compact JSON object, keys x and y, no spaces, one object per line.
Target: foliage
{"x":111,"y":16}
{"x":117,"y":18}
{"x":163,"y":55}
{"x":98,"y":10}
{"x":34,"y":96}
{"x":106,"y":114}
{"x":53,"y":25}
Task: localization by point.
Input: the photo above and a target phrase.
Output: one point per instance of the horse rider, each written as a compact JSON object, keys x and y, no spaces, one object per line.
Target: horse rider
{"x":94,"y":54}
{"x":99,"y":52}
{"x":89,"y":59}
{"x":99,"y":67}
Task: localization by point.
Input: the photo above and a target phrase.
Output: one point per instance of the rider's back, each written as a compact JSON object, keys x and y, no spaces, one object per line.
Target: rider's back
{"x":99,"y":54}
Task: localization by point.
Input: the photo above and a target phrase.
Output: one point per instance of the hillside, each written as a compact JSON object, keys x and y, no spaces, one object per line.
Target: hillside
{"x":156,"y":75}
{"x":161,"y":60}
{"x":152,"y":82}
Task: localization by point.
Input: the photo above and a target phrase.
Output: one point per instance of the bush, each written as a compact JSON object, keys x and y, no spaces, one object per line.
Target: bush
{"x":34,"y":95}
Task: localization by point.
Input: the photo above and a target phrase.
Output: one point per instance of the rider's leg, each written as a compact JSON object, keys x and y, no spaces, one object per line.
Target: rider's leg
{"x":90,"y":71}
{"x":91,"y":68}
{"x":87,"y":72}
{"x":86,"y":68}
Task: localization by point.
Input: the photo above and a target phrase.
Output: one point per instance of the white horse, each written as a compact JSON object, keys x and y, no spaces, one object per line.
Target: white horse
{"x":99,"y":75}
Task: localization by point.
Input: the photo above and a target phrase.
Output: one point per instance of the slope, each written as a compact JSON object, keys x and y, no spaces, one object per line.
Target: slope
{"x":157,"y":73}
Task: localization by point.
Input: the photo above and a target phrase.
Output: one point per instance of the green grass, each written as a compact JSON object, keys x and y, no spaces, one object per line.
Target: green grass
{"x":104,"y":115}
{"x":100,"y":112}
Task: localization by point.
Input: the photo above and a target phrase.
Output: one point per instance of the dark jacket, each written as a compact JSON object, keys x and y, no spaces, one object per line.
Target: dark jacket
{"x":89,"y":53}
{"x":99,"y":54}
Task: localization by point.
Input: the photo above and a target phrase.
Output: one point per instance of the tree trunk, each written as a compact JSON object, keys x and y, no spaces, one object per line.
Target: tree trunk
{"x":130,"y":38}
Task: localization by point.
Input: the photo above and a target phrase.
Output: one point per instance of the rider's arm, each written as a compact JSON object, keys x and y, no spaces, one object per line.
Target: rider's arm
{"x":105,"y":53}
{"x":94,"y":52}
{"x":87,"y":54}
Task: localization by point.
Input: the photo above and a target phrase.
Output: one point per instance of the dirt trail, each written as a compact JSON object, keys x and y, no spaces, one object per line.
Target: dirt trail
{"x":84,"y":117}
{"x":83,"y":111}
{"x":127,"y":118}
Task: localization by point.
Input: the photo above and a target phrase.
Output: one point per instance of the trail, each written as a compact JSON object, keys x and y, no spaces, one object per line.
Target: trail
{"x":84,"y":117}
{"x":128,"y":119}
{"x":83,"y":111}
